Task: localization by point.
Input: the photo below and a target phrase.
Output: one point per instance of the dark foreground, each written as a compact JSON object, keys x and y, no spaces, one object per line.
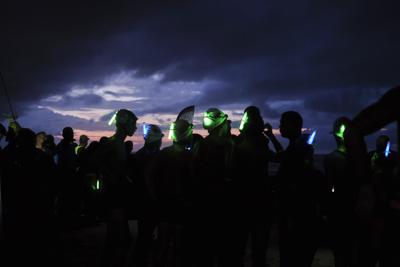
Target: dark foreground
{"x":83,"y":248}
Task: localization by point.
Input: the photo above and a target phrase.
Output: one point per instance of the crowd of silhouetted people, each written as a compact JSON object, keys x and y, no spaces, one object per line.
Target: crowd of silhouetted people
{"x":205,"y":201}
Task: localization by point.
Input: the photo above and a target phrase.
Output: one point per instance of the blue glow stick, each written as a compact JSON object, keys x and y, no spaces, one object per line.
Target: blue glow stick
{"x":145,"y":130}
{"x":387,"y":149}
{"x":310,"y":140}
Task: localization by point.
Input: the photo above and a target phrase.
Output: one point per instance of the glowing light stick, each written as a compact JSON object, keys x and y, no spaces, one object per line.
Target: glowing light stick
{"x":387,"y":149}
{"x":97,"y":184}
{"x":245,"y":119}
{"x":341,"y":131}
{"x":146,"y":129}
{"x":310,"y":140}
{"x":171,"y":135}
{"x":112,"y":120}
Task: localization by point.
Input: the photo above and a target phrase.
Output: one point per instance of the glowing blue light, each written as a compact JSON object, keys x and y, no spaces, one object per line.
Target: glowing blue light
{"x":146,"y":130}
{"x":387,"y":149}
{"x":310,"y":140}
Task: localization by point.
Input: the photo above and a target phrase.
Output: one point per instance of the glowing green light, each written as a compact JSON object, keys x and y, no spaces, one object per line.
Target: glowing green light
{"x":112,"y":120}
{"x":245,"y":119}
{"x":207,"y":121}
{"x":340,"y":134}
{"x":97,"y":184}
{"x":171,"y":135}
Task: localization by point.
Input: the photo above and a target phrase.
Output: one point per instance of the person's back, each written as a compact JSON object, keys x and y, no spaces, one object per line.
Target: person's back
{"x":297,"y":195}
{"x":28,"y":196}
{"x":252,"y":187}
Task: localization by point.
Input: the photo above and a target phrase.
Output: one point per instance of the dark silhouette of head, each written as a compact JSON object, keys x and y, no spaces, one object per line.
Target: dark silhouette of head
{"x":103,"y":140}
{"x":181,"y":131}
{"x":68,"y":134}
{"x":26,"y":139}
{"x":128,"y":147}
{"x":125,"y":121}
{"x":252,"y":122}
{"x":381,"y":143}
{"x":152,"y":135}
{"x":216,"y":122}
{"x":83,"y":140}
{"x":291,"y":124}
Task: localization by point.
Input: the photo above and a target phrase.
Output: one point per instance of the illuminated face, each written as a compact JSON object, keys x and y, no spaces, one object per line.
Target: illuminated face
{"x":40,"y":139}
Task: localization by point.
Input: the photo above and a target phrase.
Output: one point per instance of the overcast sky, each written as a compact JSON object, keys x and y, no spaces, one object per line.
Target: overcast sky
{"x":75,"y":63}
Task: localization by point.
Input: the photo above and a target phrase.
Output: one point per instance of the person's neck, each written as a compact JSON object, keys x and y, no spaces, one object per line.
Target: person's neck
{"x":341,"y":148}
{"x":120,"y":135}
{"x":293,"y":139}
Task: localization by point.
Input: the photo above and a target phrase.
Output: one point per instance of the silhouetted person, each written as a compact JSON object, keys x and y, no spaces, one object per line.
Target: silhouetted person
{"x":83,"y":142}
{"x":111,"y":160}
{"x":49,"y":146}
{"x":296,"y":188}
{"x":370,"y":120}
{"x":213,"y":193}
{"x":383,"y":159}
{"x":3,"y":132}
{"x":66,"y":161}
{"x":145,"y":207}
{"x":40,"y":139}
{"x":28,"y":203}
{"x":170,"y":178}
{"x":342,"y":197}
{"x":253,"y":192}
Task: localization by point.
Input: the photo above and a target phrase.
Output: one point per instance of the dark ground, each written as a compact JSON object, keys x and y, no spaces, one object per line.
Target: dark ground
{"x":83,"y":248}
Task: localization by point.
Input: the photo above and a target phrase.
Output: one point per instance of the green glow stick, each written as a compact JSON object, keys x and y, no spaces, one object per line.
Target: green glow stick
{"x":245,"y":119}
{"x":112,"y":120}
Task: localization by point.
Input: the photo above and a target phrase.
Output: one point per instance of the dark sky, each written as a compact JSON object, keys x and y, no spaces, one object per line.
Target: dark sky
{"x":73,"y":63}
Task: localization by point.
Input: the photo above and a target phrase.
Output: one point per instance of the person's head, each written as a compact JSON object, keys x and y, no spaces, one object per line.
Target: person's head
{"x":252,"y":122}
{"x":3,"y":131}
{"x":103,"y":140}
{"x":125,"y":121}
{"x":68,"y":134}
{"x":152,"y":135}
{"x":381,"y":143}
{"x":128,"y":146}
{"x":216,"y":122}
{"x":13,"y":129}
{"x":50,"y":140}
{"x":83,"y":140}
{"x":40,"y":138}
{"x":26,"y":139}
{"x":180,"y":131}
{"x":339,"y":127}
{"x":291,"y":124}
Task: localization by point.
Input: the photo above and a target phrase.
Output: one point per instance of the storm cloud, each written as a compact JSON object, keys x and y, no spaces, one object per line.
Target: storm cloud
{"x":321,"y":58}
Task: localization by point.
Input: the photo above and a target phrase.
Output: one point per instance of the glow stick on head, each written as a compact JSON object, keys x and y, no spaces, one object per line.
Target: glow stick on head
{"x":310,"y":140}
{"x":171,"y":131}
{"x":387,"y":149}
{"x":146,"y":129}
{"x":244,"y":121}
{"x":207,"y":121}
{"x":112,"y":120}
{"x":341,"y":131}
